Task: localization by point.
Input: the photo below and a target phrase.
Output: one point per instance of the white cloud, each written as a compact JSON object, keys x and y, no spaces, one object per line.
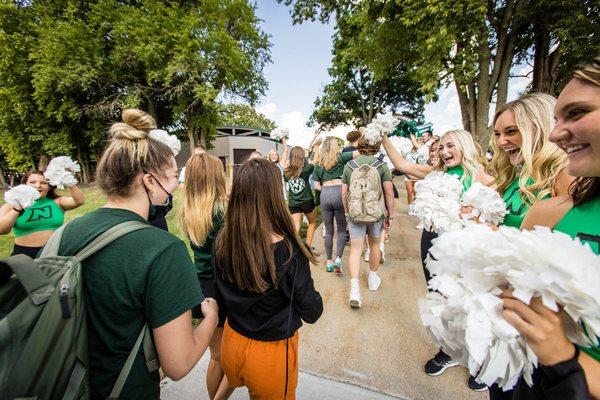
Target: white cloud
{"x":268,"y":110}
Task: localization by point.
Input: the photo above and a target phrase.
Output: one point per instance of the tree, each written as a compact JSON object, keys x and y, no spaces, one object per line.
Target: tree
{"x":244,"y":115}
{"x":357,"y":93}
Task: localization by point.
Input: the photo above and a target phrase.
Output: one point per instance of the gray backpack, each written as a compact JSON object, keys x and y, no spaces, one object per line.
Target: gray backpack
{"x":366,"y":203}
{"x":43,"y":329}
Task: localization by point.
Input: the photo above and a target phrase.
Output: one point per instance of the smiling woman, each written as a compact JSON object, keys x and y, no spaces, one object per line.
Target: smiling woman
{"x":528,"y":167}
{"x":34,"y":225}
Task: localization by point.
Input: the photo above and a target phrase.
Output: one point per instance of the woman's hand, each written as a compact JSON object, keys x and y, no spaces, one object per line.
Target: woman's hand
{"x":541,"y":327}
{"x":209,"y":307}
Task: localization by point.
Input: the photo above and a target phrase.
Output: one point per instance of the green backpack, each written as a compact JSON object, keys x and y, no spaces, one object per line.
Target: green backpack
{"x":43,"y":329}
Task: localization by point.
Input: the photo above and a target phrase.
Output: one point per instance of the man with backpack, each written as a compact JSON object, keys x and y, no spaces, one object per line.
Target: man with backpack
{"x":368,"y":198}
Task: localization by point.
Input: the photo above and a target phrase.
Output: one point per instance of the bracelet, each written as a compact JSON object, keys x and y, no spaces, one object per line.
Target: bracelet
{"x":21,"y":211}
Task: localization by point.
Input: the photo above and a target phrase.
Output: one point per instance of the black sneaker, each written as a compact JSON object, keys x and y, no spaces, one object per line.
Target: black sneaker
{"x":476,"y":386}
{"x":439,"y":364}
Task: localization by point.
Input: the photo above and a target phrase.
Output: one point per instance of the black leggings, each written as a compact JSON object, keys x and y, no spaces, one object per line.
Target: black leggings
{"x":426,"y":238}
{"x":30,"y":251}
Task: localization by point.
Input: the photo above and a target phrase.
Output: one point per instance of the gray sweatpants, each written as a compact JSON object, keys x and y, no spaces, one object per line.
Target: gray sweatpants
{"x":332,"y":207}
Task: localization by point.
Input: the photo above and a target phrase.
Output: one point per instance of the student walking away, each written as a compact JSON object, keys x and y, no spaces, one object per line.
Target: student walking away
{"x":299,"y":196}
{"x":352,"y":139}
{"x":369,"y":201}
{"x":329,"y":167}
{"x":264,"y":286}
{"x":142,"y":279}
{"x":197,"y":150}
{"x":205,"y":190}
{"x":33,"y":226}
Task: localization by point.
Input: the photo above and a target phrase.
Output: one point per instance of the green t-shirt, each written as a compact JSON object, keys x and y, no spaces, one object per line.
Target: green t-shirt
{"x":298,"y":189}
{"x":323,"y":175}
{"x":383,"y":169}
{"x":203,"y":254}
{"x":460,"y":172}
{"x":582,"y":222}
{"x":145,"y":276}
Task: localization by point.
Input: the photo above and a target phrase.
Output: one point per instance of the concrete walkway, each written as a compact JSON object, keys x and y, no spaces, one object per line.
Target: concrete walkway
{"x":381,"y":347}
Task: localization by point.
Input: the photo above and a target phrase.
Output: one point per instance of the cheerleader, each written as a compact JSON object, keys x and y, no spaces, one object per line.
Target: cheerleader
{"x":566,"y":371}
{"x":457,"y":155}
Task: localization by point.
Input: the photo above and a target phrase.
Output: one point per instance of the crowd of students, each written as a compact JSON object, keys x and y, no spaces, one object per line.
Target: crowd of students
{"x":249,"y":282}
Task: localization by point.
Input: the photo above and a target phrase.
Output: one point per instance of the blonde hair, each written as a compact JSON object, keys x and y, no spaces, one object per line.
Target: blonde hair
{"x":204,"y":191}
{"x":273,"y":151}
{"x":471,"y":155}
{"x":329,"y":153}
{"x":542,"y":160}
{"x":129,"y":153}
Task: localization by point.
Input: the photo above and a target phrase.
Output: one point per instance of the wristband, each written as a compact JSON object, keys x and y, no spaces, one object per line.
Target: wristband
{"x":21,"y":211}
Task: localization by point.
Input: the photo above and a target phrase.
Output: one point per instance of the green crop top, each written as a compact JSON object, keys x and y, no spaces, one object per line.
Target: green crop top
{"x":43,"y":215}
{"x":515,"y":206}
{"x":583,"y":222}
{"x":459,"y":172}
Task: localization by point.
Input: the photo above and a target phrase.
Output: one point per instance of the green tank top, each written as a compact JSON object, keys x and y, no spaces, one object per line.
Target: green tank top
{"x":583,"y":222}
{"x":459,"y":172}
{"x":43,"y":215}
{"x":515,"y":206}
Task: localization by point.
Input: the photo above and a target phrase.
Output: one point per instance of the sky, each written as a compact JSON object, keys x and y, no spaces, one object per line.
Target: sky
{"x":301,"y":55}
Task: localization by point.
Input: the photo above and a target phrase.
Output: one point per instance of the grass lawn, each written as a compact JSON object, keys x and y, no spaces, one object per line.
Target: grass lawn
{"x":94,"y":199}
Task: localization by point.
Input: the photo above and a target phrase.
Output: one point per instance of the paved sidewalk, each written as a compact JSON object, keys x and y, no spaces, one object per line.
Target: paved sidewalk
{"x":310,"y":387}
{"x":382,"y":346}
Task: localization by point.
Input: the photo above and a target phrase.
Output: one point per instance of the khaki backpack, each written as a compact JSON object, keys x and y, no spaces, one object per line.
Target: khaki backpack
{"x":43,"y":329}
{"x":366,"y":203}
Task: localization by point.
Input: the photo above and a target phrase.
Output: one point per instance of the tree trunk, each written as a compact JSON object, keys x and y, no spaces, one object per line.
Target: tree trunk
{"x":2,"y":180}
{"x":151,"y":108}
{"x":43,"y":162}
{"x":190,"y":132}
{"x":85,"y":166}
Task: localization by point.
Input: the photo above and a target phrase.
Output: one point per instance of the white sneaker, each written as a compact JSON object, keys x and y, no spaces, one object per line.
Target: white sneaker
{"x":355,"y":299}
{"x":367,"y":255}
{"x":374,"y":281}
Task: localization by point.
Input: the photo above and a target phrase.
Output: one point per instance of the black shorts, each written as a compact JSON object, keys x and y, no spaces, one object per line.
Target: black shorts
{"x":303,"y":208}
{"x":208,"y":290}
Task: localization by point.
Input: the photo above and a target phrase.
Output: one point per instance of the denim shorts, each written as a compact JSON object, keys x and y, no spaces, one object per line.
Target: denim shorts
{"x":358,"y":230}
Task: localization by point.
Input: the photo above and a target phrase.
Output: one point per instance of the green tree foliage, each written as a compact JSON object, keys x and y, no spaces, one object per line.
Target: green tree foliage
{"x":244,"y":115}
{"x":358,"y":91}
{"x":69,"y":67}
{"x":472,"y":44}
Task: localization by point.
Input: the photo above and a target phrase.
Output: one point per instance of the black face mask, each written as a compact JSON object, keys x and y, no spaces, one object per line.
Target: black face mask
{"x":159,"y":211}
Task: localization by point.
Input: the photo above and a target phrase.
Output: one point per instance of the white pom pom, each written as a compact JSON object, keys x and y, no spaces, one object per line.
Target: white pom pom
{"x":280,"y":133}
{"x":387,"y":122}
{"x":486,"y":203}
{"x":22,"y":195}
{"x":470,"y":265}
{"x":164,"y":137}
{"x":403,"y":145}
{"x":437,"y":202}
{"x":61,"y":172}
{"x":372,"y":134}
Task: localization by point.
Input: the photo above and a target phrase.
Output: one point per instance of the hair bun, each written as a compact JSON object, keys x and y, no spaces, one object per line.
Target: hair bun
{"x":136,"y":125}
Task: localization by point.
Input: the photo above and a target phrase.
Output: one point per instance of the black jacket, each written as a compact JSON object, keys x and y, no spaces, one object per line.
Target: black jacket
{"x":265,"y":316}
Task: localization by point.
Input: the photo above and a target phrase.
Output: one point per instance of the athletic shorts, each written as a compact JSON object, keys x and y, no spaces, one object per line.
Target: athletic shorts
{"x":359,"y":230}
{"x":304,"y":208}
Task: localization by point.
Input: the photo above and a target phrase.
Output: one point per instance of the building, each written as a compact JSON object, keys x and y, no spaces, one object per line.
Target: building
{"x":234,"y":144}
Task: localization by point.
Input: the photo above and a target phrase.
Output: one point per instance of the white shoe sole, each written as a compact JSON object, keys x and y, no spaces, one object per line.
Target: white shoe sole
{"x":444,"y":368}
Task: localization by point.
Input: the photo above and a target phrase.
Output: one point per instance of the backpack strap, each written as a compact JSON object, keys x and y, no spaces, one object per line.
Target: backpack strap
{"x":110,"y":236}
{"x":122,"y":378}
{"x":34,"y":281}
{"x":352,"y":164}
{"x":377,"y":163}
{"x":52,"y":245}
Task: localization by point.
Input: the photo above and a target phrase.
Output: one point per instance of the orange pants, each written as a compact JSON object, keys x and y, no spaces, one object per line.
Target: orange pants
{"x":260,"y":366}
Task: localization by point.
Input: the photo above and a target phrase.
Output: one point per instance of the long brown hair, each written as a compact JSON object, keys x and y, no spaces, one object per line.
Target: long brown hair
{"x":584,"y":189}
{"x":203,"y":197}
{"x":256,"y":211}
{"x":296,"y":163}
